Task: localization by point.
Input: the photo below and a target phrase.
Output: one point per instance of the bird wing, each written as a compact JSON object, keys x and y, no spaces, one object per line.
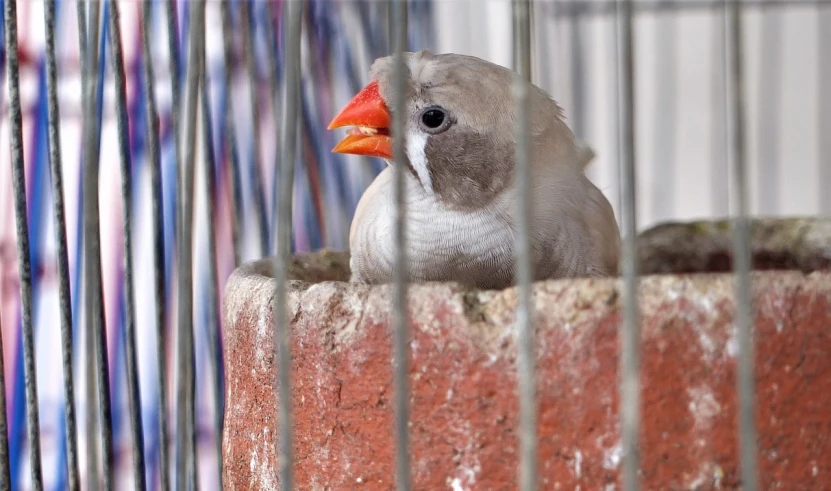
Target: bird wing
{"x":600,"y":220}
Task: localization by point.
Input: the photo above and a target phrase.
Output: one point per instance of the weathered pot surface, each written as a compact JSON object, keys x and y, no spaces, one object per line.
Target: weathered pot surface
{"x":463,"y":374}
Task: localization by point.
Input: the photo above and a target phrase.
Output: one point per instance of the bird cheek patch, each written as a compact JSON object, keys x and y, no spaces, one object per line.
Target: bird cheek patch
{"x":467,"y":169}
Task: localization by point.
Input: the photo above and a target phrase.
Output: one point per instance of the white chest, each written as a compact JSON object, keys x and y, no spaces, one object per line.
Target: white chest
{"x":442,"y":244}
{"x":475,"y":247}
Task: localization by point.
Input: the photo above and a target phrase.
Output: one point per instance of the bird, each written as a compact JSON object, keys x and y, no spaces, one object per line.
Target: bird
{"x":461,"y":194}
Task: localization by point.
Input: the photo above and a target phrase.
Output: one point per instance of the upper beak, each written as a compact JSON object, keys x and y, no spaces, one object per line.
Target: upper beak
{"x":369,"y":114}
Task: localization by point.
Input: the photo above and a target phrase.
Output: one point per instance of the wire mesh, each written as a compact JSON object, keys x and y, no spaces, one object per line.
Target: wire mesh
{"x":398,"y":22}
{"x":160,"y":298}
{"x":56,"y":167}
{"x":741,"y":256}
{"x":117,"y":56}
{"x":524,"y":277}
{"x":186,"y":388}
{"x":104,"y":297}
{"x":22,"y":225}
{"x":630,"y":328}
{"x":291,"y":99}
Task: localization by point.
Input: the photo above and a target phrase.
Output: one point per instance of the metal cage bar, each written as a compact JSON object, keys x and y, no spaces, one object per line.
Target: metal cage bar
{"x":186,"y":120}
{"x":95,"y":329}
{"x":186,"y":410}
{"x":282,"y":235}
{"x":157,"y":198}
{"x":273,"y":80}
{"x":248,"y":37}
{"x":65,"y":300}
{"x":5,"y":469}
{"x":126,"y":160}
{"x":526,"y":354}
{"x":213,"y":330}
{"x":23,"y":250}
{"x":230,"y":130}
{"x":588,"y":8}
{"x":397,"y":29}
{"x":741,"y":253}
{"x":630,"y":327}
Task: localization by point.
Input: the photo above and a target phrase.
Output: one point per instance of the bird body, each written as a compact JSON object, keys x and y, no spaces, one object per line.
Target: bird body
{"x":461,"y":197}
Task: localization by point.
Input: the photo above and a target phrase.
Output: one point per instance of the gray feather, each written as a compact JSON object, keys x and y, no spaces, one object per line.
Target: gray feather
{"x":461,"y":222}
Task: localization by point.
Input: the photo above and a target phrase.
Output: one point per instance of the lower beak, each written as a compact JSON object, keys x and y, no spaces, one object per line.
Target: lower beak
{"x":368,"y":112}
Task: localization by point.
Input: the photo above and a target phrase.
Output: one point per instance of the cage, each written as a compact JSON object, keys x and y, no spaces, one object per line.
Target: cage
{"x":205,"y":298}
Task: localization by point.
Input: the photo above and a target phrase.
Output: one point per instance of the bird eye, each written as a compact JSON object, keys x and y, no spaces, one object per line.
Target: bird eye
{"x":434,"y":119}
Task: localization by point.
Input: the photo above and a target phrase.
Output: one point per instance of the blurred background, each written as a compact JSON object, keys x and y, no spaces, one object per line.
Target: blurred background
{"x":681,"y":156}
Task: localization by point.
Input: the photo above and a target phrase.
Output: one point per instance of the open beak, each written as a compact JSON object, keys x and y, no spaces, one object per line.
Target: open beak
{"x":370,"y":117}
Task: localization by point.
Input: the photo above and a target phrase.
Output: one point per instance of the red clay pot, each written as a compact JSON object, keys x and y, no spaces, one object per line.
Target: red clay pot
{"x":463,"y":382}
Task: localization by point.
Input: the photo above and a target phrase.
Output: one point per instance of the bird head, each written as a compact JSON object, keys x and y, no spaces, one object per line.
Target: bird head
{"x":459,"y":124}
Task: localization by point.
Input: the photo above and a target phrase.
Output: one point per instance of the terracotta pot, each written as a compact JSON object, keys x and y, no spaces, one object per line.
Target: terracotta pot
{"x":463,"y":373}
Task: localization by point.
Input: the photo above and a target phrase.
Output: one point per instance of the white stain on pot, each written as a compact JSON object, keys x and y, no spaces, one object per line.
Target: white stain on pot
{"x":467,"y":446}
{"x":703,"y":406}
{"x":263,"y":474}
{"x":264,"y":329}
{"x":709,"y":476}
{"x":255,"y":461}
{"x":732,"y":346}
{"x":466,"y":480}
{"x":708,"y":346}
{"x":612,"y":456}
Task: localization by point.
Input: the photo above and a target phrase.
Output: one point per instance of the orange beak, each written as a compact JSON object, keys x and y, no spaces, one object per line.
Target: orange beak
{"x":368,"y":113}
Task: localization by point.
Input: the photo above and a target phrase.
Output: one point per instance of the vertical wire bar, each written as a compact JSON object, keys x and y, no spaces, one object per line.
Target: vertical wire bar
{"x":254,"y":83}
{"x":186,"y":408}
{"x":174,"y":59}
{"x":213,"y":276}
{"x":176,"y":117}
{"x":22,"y":229}
{"x":5,"y":469}
{"x":274,"y":86}
{"x":65,"y":299}
{"x":291,"y":103}
{"x":524,"y":275}
{"x":91,"y":264}
{"x":824,"y":89}
{"x":630,"y":328}
{"x":741,"y":255}
{"x":95,"y":295}
{"x":230,"y":128}
{"x":158,"y":241}
{"x":401,"y":335}
{"x":133,"y":390}
{"x":525,"y":324}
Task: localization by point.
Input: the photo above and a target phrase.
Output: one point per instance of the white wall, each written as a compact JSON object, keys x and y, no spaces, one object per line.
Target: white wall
{"x":680,"y":146}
